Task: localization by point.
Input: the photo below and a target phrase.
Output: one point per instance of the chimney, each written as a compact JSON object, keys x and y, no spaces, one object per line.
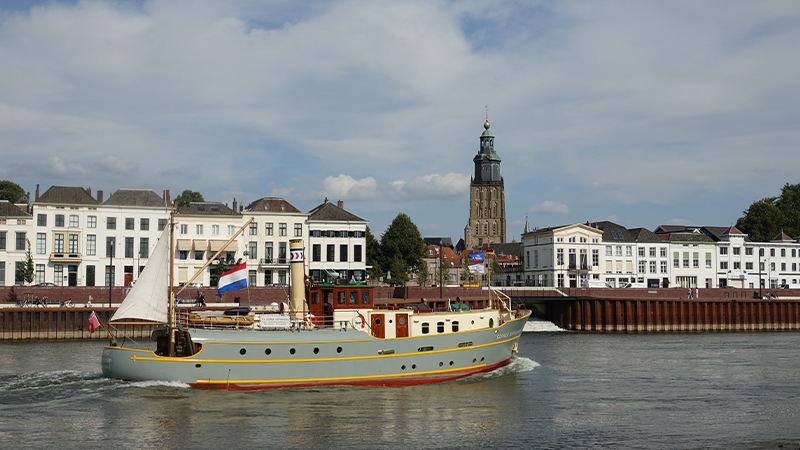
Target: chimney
{"x":167,"y":197}
{"x":340,"y":204}
{"x":37,"y":192}
{"x":89,"y":191}
{"x":241,"y":208}
{"x":99,"y":196}
{"x":234,"y":204}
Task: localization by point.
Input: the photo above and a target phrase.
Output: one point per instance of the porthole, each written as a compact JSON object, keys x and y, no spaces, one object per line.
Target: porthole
{"x":242,"y":351}
{"x":338,"y":349}
{"x":316,"y":350}
{"x":268,"y":351}
{"x":473,"y":322}
{"x":441,"y":364}
{"x":291,"y":351}
{"x":377,"y":321}
{"x":403,"y":367}
{"x":482,"y":360}
{"x":474,"y":360}
{"x":451,"y":363}
{"x":413,"y":366}
{"x":198,"y":365}
{"x":402,"y":320}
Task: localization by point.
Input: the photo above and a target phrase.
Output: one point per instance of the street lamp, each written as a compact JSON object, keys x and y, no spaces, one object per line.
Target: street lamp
{"x":111,"y":250}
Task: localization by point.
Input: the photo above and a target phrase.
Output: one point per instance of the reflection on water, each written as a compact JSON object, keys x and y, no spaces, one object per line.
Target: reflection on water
{"x":564,"y":390}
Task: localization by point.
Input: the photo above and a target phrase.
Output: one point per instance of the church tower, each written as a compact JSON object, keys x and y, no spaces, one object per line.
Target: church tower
{"x":487,"y":200}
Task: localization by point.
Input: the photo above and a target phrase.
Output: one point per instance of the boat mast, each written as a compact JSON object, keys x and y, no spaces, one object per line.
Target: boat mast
{"x":171,"y":297}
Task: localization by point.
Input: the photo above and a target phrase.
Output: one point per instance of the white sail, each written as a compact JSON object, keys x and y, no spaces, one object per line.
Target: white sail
{"x":147,"y":300}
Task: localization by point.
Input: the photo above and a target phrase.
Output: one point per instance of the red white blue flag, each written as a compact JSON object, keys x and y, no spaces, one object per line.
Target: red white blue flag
{"x":233,"y":280}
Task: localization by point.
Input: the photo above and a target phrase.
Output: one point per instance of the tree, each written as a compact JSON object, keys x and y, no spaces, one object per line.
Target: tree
{"x":767,"y":217}
{"x":398,"y":272}
{"x":26,"y":266}
{"x":402,"y":246}
{"x":374,"y":257}
{"x":12,"y":192}
{"x":423,"y":274}
{"x":188,"y":196}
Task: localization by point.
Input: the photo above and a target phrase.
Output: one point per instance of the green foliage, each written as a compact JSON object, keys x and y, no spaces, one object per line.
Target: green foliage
{"x":188,"y":196}
{"x":402,"y":247}
{"x":423,"y":274}
{"x":12,"y":192}
{"x":766,"y":218}
{"x":374,"y":257}
{"x":27,"y":267}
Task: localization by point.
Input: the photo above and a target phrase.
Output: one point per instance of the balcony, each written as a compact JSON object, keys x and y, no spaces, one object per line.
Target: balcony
{"x":578,"y":268}
{"x":73,"y":258}
{"x":273,"y":262}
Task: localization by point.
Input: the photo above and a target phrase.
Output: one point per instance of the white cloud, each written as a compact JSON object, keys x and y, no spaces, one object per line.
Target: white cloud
{"x":114,"y":165}
{"x":549,"y":207}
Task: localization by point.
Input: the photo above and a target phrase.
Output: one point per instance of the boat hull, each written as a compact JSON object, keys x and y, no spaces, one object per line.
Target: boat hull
{"x":243,"y":360}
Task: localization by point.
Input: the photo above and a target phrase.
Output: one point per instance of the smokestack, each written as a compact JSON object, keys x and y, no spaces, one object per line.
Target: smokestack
{"x":99,"y":196}
{"x":340,"y":204}
{"x":234,"y":204}
{"x":241,"y":208}
{"x":297,"y":272}
{"x":37,"y":192}
{"x":167,"y":197}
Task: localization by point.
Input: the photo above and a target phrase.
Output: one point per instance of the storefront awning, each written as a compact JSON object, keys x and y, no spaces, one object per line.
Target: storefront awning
{"x":184,"y":245}
{"x":200,"y":245}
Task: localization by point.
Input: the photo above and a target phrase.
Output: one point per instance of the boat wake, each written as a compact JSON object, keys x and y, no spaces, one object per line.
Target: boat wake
{"x":540,"y":326}
{"x":518,"y":364}
{"x":154,"y":383}
{"x":40,"y":387}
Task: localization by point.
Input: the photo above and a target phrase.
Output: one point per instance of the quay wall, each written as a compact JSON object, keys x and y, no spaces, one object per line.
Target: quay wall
{"x":61,"y":324}
{"x":674,"y":315}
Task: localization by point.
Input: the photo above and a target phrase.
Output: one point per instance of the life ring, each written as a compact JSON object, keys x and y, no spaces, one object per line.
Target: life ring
{"x":363,"y":321}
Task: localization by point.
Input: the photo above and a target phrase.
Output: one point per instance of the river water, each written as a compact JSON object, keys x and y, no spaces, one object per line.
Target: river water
{"x":564,"y":390}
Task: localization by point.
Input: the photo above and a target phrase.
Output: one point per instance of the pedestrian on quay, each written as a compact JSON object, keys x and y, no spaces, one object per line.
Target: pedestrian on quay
{"x":689,"y":295}
{"x":89,"y":302}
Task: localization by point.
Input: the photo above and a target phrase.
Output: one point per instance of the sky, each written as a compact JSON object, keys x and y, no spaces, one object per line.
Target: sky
{"x":641,"y":113}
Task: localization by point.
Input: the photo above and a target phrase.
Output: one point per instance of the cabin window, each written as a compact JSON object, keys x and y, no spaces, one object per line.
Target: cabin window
{"x":424,"y":327}
{"x":315,"y":298}
{"x":455,"y":326}
{"x":491,"y":323}
{"x":340,"y":298}
{"x":354,"y":297}
{"x":365,"y":297}
{"x":440,"y":327}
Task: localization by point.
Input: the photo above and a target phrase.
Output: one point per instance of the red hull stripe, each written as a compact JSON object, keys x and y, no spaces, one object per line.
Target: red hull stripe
{"x":402,"y":381}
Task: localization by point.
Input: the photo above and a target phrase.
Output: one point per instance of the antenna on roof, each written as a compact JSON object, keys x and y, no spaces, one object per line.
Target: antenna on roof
{"x":487,"y":112}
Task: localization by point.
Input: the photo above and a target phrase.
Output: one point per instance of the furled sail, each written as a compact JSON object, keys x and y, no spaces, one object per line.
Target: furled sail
{"x":147,"y":300}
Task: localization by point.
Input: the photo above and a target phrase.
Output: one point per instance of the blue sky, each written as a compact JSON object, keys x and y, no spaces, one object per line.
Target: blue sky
{"x":642,"y":113}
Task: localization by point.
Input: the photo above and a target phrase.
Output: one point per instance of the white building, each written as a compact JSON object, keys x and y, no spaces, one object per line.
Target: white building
{"x":202,"y":229}
{"x":14,"y":236}
{"x":338,"y":243}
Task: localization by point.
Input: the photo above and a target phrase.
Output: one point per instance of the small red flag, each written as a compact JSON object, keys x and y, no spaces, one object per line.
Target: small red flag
{"x":93,"y":323}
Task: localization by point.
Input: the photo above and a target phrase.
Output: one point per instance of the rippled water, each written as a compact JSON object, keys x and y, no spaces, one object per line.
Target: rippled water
{"x":565,"y":390}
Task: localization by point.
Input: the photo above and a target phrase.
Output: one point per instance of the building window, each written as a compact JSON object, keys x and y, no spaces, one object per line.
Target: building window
{"x":198,"y":255}
{"x":74,"y":222}
{"x":129,"y":247}
{"x":771,"y":252}
{"x":73,"y":243}
{"x":608,"y":250}
{"x":253,"y":229}
{"x":111,"y":223}
{"x":737,"y":250}
{"x":162,"y":223}
{"x":2,"y":273}
{"x":652,"y":252}
{"x":595,"y":257}
{"x":298,"y":230}
{"x":685,"y":259}
{"x":91,"y":244}
{"x":39,"y":274}
{"x":653,"y":267}
{"x":316,"y":253}
{"x":58,"y":243}
{"x":281,"y":254}
{"x":783,"y":253}
{"x":748,"y":266}
{"x":144,"y":247}
{"x":129,"y":223}
{"x":628,"y":250}
{"x":144,"y":224}
{"x":737,"y":265}
{"x":676,"y":261}
{"x":708,"y":260}
{"x":198,"y":229}
{"x":184,"y":228}
{"x":59,"y":275}
{"x":251,"y":277}
{"x":696,"y":260}
{"x":641,"y":252}
{"x":89,"y":275}
{"x":343,"y":253}
{"x":642,"y":266}
{"x":663,"y":252}
{"x":110,"y":244}
{"x":330,"y":252}
{"x":215,"y":230}
{"x":723,"y":250}
{"x":356,"y":253}
{"x":183,"y":254}
{"x":252,"y":250}
{"x":282,"y":229}
{"x":560,"y":257}
{"x":21,"y":240}
{"x":231,"y":230}
{"x":2,"y":240}
{"x":41,"y":220}
{"x":41,"y":243}
{"x":268,"y":228}
{"x":59,"y":220}
{"x":723,"y":265}
{"x":268,"y":251}
{"x":618,"y":250}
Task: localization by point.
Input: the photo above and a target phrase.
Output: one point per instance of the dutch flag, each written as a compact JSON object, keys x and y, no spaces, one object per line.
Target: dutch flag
{"x":233,"y":280}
